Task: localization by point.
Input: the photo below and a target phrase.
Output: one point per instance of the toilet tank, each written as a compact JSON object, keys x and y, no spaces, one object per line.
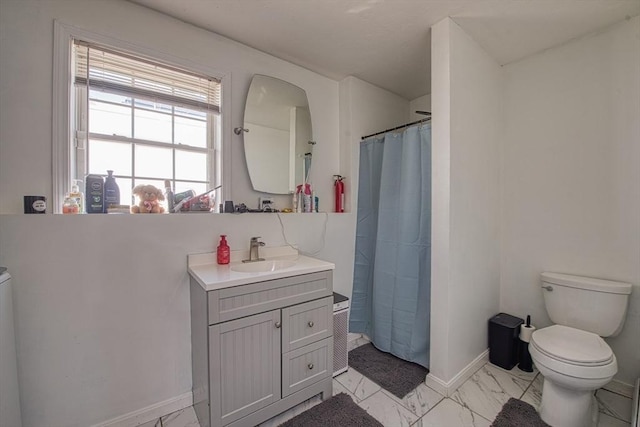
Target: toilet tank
{"x":594,"y":305}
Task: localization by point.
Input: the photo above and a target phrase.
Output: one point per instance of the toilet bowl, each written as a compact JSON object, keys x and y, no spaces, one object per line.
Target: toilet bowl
{"x":574,"y":363}
{"x":571,"y":355}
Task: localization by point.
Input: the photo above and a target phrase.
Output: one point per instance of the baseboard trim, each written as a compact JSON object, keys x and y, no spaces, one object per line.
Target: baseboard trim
{"x":352,"y":336}
{"x":619,"y":387}
{"x":437,"y":384}
{"x":150,"y":413}
{"x":447,"y":388}
{"x":356,"y":340}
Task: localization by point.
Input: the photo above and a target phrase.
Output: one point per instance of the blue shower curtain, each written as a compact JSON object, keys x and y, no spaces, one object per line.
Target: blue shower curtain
{"x":392,"y":272}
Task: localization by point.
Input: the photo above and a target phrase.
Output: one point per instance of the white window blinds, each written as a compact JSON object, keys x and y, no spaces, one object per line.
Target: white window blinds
{"x":116,"y":72}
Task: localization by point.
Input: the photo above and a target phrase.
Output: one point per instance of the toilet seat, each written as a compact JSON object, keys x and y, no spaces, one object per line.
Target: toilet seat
{"x":573,"y":352}
{"x":573,"y":346}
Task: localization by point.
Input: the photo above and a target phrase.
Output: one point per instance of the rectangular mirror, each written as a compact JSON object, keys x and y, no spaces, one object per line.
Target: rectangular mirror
{"x":278,"y":139}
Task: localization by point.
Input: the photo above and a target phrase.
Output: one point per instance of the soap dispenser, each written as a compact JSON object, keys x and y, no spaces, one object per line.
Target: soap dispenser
{"x":77,"y":194}
{"x":224,"y":252}
{"x":111,"y":191}
{"x":70,"y":205}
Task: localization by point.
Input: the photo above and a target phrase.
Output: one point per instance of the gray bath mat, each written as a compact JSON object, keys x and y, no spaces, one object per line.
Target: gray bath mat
{"x":395,"y":375}
{"x":338,"y":411}
{"x":516,"y":413}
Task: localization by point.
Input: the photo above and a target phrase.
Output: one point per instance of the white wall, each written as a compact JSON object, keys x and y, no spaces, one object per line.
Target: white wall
{"x":364,"y":109}
{"x":102,"y":302}
{"x":467,"y":107}
{"x":26,"y":44}
{"x":571,"y":174}
{"x":102,"y":308}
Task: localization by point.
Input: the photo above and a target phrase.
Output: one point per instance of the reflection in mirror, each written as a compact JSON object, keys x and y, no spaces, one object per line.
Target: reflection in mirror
{"x":277,"y":140}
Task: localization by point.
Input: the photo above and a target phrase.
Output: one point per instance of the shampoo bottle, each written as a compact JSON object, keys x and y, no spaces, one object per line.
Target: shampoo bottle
{"x":95,"y":194}
{"x":224,"y":252}
{"x":168,"y":194}
{"x":111,"y":191}
{"x":307,"y":198}
{"x":299,"y":208}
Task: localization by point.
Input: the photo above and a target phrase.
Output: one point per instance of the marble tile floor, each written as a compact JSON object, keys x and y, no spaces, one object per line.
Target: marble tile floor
{"x":476,"y":403}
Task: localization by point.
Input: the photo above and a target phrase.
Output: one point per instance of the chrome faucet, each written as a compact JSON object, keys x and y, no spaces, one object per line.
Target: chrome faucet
{"x":254,"y":255}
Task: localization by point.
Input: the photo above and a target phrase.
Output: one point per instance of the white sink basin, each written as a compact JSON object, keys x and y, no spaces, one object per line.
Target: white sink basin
{"x":263,"y":266}
{"x":281,"y":262}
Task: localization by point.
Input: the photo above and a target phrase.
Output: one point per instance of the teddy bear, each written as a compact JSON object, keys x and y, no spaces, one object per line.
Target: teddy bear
{"x":148,"y":197}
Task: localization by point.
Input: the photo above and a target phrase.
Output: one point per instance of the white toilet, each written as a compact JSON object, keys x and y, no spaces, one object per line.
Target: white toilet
{"x":571,"y":355}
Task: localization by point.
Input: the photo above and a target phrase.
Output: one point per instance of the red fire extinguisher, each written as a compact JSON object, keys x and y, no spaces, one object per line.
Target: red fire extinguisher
{"x":339,"y":192}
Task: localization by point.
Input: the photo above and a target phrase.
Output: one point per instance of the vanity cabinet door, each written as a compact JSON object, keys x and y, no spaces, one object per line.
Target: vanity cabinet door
{"x":244,"y":366}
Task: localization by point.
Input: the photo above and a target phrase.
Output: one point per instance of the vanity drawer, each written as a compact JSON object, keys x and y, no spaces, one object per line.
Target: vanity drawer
{"x":245,"y":300}
{"x":306,"y":365}
{"x":306,"y":323}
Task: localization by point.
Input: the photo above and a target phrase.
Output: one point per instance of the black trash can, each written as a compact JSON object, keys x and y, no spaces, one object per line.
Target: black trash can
{"x":504,"y":331}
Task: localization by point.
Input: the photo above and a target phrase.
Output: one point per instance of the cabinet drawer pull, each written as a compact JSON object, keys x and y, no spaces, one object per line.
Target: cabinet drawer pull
{"x":310,"y":323}
{"x":278,"y":324}
{"x":310,"y":366}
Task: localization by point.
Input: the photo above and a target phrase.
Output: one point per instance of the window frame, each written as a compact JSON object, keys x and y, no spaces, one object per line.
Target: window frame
{"x":64,"y":101}
{"x":84,"y":139}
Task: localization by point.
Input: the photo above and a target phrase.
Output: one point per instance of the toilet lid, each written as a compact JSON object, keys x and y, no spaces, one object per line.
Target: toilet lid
{"x":572,"y":345}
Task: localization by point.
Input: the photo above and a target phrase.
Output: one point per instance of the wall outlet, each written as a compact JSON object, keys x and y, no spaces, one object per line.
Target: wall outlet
{"x":266,"y":203}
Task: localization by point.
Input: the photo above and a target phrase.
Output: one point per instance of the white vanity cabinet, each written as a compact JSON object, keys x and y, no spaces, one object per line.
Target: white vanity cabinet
{"x":261,"y":348}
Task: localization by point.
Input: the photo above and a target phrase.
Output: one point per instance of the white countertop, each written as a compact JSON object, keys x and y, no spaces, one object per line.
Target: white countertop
{"x":212,"y":276}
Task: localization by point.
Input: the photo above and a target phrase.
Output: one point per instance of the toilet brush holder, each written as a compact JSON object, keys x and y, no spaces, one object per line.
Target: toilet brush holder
{"x":526,"y":330}
{"x":526,"y":364}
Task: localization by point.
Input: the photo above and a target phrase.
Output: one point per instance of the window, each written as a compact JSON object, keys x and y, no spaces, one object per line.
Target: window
{"x":145,"y":120}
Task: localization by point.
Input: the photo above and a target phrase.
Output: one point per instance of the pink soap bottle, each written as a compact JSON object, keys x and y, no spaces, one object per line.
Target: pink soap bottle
{"x":224,"y":252}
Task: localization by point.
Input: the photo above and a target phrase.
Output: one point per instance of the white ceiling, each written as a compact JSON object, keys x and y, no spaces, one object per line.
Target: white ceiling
{"x":387,"y":42}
